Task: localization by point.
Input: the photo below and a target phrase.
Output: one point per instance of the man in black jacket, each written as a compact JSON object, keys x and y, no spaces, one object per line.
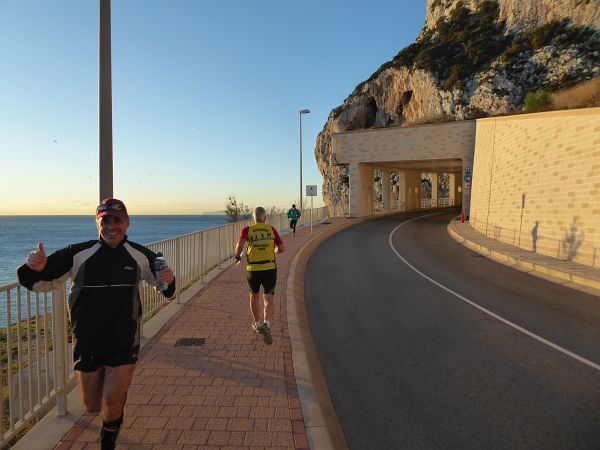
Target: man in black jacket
{"x":104,"y":308}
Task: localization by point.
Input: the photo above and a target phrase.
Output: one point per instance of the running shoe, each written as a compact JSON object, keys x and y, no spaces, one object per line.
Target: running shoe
{"x":266,"y":333}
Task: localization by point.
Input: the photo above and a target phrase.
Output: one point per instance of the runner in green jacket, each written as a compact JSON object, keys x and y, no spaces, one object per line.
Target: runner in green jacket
{"x":293,"y":214}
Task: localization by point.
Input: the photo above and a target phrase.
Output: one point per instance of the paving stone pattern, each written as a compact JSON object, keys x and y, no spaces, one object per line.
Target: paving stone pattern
{"x":233,"y":392}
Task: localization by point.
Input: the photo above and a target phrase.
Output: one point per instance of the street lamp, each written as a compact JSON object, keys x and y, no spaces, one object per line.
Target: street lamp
{"x":105,"y":147}
{"x":303,"y":111}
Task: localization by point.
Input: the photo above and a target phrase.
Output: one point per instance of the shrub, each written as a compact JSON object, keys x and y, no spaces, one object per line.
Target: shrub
{"x":514,"y":50}
{"x":237,"y":211}
{"x":456,"y":74}
{"x":488,"y":7}
{"x":538,"y":101}
{"x":562,"y":34}
{"x":542,"y":36}
{"x":583,"y":95}
{"x":476,"y":113}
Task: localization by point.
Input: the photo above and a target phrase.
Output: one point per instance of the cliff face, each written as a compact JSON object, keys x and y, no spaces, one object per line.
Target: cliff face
{"x":525,"y":14}
{"x":473,"y":58}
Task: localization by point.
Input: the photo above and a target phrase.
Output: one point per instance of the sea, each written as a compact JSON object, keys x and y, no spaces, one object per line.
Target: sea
{"x":21,"y":234}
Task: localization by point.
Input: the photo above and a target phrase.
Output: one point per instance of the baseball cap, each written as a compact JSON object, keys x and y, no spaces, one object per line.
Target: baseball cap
{"x":111,"y":207}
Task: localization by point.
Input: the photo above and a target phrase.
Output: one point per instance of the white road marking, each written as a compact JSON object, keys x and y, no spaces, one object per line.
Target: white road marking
{"x":487,"y":311}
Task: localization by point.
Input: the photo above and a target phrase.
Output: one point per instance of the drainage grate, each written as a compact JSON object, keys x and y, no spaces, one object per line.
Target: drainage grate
{"x":189,"y":342}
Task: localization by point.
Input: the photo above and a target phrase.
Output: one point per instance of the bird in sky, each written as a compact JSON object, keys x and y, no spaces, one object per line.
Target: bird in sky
{"x":55,"y":141}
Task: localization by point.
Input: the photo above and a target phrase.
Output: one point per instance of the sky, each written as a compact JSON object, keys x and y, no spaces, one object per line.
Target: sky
{"x":205,"y":97}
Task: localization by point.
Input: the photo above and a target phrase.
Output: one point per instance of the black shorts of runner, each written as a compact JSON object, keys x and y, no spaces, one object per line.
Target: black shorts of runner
{"x":90,"y":363}
{"x":293,"y":224}
{"x":266,"y":278}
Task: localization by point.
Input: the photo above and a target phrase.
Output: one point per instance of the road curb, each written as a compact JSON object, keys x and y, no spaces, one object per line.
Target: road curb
{"x":322,"y":427}
{"x":568,"y":279}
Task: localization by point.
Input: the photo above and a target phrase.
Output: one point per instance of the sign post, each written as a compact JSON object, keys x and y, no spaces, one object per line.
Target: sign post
{"x":311,"y":191}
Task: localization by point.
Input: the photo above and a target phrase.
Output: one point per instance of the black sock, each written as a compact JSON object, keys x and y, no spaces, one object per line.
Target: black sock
{"x":109,"y":433}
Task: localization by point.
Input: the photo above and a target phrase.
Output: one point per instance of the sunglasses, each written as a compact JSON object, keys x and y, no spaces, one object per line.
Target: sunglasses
{"x":113,"y":206}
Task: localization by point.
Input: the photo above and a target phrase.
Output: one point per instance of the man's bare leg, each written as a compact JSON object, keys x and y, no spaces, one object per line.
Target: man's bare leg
{"x":116,"y":382}
{"x":255,"y":306}
{"x":114,"y":393}
{"x":269,"y":307}
{"x":91,"y":389}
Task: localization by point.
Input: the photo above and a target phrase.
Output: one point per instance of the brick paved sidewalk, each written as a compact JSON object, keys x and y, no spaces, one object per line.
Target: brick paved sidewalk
{"x":233,"y":392}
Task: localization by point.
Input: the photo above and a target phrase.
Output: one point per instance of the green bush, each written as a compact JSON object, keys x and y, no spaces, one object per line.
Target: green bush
{"x":561,"y":33}
{"x":538,"y":101}
{"x":456,"y":74}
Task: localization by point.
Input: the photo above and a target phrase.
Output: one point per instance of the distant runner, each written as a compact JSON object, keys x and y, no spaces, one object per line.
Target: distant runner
{"x":263,"y":242}
{"x":104,"y":309}
{"x":293,"y":214}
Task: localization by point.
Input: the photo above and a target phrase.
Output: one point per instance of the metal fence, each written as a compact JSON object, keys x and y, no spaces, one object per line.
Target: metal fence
{"x":436,"y":202}
{"x":35,"y":343}
{"x":396,"y":205}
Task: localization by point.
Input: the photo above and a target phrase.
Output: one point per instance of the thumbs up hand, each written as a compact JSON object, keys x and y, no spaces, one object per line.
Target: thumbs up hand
{"x":37,"y":258}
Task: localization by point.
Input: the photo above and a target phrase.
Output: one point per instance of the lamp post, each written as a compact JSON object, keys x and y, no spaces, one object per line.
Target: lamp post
{"x":105,"y":104}
{"x":303,"y":111}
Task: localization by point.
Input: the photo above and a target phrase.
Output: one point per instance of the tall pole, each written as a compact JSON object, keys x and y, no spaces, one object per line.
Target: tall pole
{"x":303,"y":111}
{"x":300,"y":162}
{"x":105,"y":162}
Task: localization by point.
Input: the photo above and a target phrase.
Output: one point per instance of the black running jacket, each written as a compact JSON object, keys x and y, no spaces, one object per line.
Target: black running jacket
{"x":104,"y":303}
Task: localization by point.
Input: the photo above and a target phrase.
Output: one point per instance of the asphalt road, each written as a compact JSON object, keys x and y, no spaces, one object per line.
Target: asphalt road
{"x":410,"y":365}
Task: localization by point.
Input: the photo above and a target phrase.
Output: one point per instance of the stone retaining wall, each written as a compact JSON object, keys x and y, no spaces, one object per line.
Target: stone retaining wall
{"x":536,"y":182}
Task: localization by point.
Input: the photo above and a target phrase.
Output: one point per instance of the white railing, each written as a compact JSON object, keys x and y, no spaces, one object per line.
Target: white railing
{"x":35,"y":362}
{"x":436,"y":202}
{"x":339,"y":209}
{"x":396,"y":205}
{"x":35,"y":352}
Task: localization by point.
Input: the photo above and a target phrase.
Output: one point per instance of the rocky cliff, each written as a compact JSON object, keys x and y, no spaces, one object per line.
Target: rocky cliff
{"x":473,"y":58}
{"x":521,"y":15}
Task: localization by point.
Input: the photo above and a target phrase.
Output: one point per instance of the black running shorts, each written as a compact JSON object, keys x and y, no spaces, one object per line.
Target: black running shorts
{"x":91,"y":363}
{"x":266,"y":278}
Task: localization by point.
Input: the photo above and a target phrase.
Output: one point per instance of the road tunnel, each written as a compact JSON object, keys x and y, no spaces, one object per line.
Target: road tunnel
{"x":417,"y":167}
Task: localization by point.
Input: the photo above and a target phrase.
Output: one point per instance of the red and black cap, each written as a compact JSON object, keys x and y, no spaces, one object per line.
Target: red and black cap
{"x":111,"y":207}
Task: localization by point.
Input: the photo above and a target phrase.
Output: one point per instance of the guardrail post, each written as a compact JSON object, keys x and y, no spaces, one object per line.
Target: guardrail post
{"x":220,"y":258}
{"x":60,"y":347}
{"x":178,"y":283}
{"x":202,"y":257}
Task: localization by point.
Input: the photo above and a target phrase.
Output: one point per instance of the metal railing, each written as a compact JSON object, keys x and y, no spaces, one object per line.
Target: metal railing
{"x":339,"y":209}
{"x":436,"y":202}
{"x":35,"y":352}
{"x":35,"y":361}
{"x":396,"y":205}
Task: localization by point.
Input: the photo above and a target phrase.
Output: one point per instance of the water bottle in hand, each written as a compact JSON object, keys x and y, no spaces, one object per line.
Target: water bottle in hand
{"x":159,"y":264}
